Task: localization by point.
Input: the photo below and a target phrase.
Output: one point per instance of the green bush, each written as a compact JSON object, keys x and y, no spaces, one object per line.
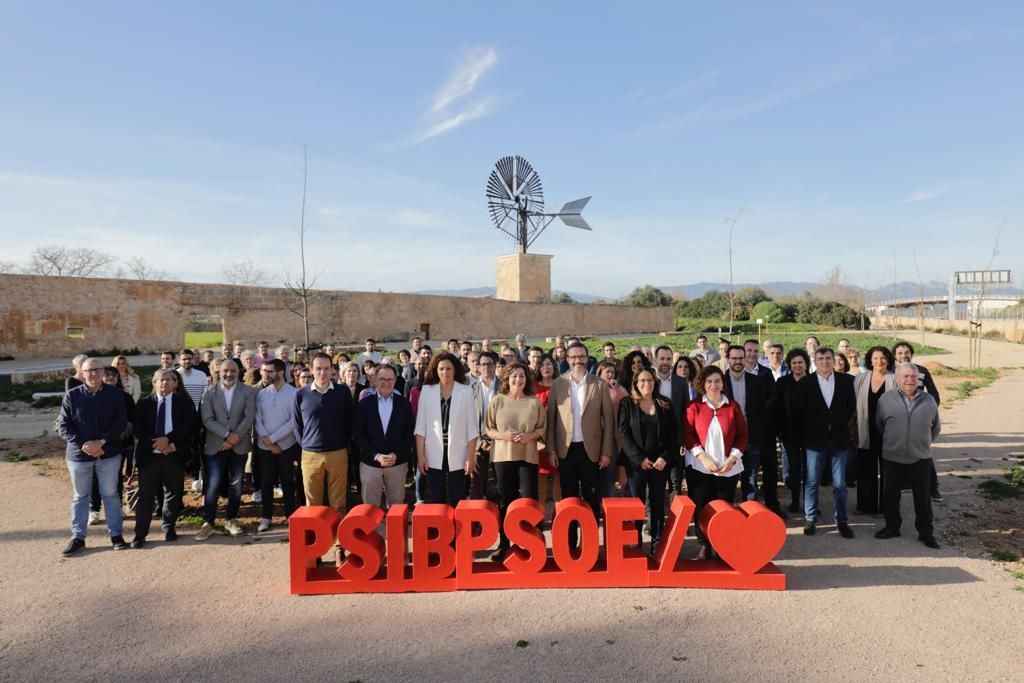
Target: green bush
{"x":771,"y":312}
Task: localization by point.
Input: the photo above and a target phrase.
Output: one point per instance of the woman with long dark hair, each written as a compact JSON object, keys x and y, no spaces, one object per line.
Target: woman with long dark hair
{"x":715,"y":436}
{"x":649,"y":439}
{"x":868,"y":387}
{"x":447,"y":429}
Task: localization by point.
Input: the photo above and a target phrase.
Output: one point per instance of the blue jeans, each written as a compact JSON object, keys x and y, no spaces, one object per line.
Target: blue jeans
{"x":108,"y":473}
{"x":748,"y":478}
{"x":816,"y":461}
{"x":219,"y":465}
{"x":785,"y":462}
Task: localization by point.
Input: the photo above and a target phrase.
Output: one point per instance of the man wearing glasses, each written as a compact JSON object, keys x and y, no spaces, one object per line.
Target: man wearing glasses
{"x":484,"y":389}
{"x":92,"y":418}
{"x":580,"y":430}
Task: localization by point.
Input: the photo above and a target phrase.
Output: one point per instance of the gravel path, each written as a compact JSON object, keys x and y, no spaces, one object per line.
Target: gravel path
{"x":854,"y":610}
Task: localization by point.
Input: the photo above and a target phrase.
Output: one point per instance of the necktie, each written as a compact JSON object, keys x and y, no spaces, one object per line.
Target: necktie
{"x":161,"y":417}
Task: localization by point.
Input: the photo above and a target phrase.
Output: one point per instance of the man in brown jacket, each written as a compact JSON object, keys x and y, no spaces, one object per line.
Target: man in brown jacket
{"x":580,"y":430}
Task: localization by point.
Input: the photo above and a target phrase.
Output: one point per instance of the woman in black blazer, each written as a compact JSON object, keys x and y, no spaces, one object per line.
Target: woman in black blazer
{"x":785,"y":414}
{"x":650,"y":441}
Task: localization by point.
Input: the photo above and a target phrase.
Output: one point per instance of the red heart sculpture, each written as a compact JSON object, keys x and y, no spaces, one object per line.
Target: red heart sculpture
{"x":747,"y":538}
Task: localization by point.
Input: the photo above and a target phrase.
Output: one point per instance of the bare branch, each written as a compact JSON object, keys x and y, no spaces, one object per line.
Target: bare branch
{"x":68,"y":261}
{"x":245,"y":273}
{"x":141,"y":269}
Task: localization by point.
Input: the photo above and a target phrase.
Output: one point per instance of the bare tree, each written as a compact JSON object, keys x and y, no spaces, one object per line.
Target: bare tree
{"x":975,"y":326}
{"x":68,"y":261}
{"x":245,"y":273}
{"x":732,"y":293}
{"x":920,"y":298}
{"x":836,"y":285}
{"x":141,"y":269}
{"x":9,"y":267}
{"x":302,"y":285}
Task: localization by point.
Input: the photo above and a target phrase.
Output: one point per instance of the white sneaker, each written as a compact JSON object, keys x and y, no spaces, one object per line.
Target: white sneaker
{"x":197,"y":486}
{"x":94,"y":517}
{"x":257,"y":496}
{"x":278,"y":492}
{"x":264,"y":525}
{"x":234,"y":528}
{"x":205,"y":532}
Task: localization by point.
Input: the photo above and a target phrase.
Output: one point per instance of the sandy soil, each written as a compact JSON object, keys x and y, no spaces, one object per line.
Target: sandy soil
{"x":855,"y":610}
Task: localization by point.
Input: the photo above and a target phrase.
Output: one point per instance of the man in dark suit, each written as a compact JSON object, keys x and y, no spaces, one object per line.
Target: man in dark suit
{"x":483,"y":483}
{"x":748,"y":391}
{"x":163,"y":425}
{"x":383,"y":431}
{"x":677,"y":391}
{"x":769,"y":457}
{"x":825,"y":406}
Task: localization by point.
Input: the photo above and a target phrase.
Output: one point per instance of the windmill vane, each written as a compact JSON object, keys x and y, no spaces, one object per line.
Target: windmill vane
{"x":515,"y":200}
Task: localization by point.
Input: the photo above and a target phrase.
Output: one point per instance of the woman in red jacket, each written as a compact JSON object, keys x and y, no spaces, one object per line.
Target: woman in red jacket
{"x":715,"y":436}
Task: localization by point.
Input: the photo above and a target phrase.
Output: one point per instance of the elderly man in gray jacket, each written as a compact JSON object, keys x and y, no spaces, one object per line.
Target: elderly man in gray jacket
{"x":908,"y":419}
{"x":228,"y":410}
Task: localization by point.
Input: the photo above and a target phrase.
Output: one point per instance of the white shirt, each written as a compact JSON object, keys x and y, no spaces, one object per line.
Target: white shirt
{"x":487,"y":391}
{"x":578,"y":392}
{"x":714,"y":446}
{"x":828,"y":387}
{"x":777,"y":373}
{"x":739,"y":391}
{"x":330,"y":387}
{"x":168,"y":415}
{"x":665,"y":386}
{"x":385,"y":406}
{"x":229,"y":395}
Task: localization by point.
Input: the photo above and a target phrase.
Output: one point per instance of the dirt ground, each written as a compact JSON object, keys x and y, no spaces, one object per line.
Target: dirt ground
{"x":853,"y":610}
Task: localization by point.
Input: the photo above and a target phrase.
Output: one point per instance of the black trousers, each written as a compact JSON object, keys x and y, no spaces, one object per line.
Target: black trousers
{"x":483,"y":481}
{"x":797,"y":470}
{"x":579,"y":477}
{"x":870,"y":488}
{"x":165,"y":474}
{"x":918,"y":476}
{"x":277,"y":469}
{"x":770,"y":473}
{"x":704,"y":488}
{"x":515,"y":480}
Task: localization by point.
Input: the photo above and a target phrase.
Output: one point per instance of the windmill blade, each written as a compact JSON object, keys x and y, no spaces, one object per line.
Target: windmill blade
{"x":575,"y":221}
{"x":574,"y":206}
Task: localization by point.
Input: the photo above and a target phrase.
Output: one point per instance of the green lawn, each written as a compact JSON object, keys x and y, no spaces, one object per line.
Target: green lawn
{"x":203,"y":340}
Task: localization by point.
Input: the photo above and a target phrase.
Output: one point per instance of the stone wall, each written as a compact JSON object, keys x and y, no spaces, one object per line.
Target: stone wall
{"x":36,"y":312}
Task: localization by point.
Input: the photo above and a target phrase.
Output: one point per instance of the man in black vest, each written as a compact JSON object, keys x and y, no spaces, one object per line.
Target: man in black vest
{"x":163,"y":426}
{"x":825,"y":407}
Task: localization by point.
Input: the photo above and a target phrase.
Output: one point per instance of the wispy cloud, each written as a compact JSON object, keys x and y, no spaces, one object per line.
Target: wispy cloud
{"x":465,"y":78}
{"x":926,"y":195}
{"x":452,"y":105}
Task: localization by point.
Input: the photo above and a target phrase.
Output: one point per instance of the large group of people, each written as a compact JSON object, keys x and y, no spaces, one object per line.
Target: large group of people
{"x":488,"y":420}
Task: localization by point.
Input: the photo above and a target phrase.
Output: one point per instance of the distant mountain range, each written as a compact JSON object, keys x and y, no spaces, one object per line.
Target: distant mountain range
{"x":894,"y":290}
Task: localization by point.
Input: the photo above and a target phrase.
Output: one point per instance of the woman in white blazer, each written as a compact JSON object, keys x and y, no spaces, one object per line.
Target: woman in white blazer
{"x":447,"y":429}
{"x":869,"y":387}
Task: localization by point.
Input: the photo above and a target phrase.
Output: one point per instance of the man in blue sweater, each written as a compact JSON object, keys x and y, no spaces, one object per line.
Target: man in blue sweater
{"x":323,"y":415}
{"x":92,"y":418}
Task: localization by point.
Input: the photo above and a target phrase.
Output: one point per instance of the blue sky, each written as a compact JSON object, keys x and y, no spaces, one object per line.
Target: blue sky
{"x":849,"y":134}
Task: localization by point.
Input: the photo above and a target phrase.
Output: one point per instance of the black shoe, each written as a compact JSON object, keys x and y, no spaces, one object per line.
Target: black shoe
{"x":810,"y":529}
{"x":937,"y":497}
{"x":171,"y":535}
{"x":887,"y":533}
{"x":73,"y":546}
{"x":138,"y":542}
{"x":844,"y":530}
{"x":929,"y":541}
{"x":118,"y":543}
{"x":777,"y":509}
{"x":499,"y":554}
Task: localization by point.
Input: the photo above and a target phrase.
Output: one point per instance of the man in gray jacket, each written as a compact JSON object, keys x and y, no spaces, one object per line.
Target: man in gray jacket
{"x":228,"y":410}
{"x":908,"y":419}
